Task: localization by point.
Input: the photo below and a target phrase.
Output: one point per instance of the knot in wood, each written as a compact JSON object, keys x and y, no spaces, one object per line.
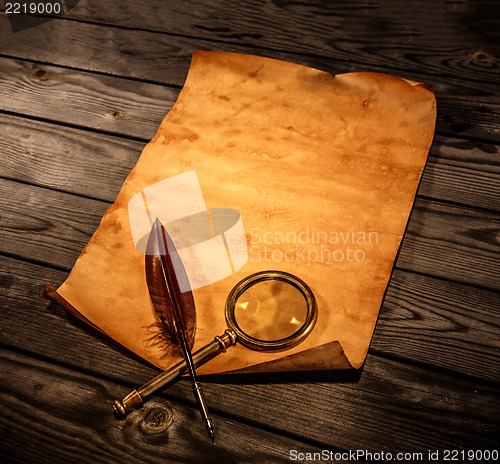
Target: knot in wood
{"x":40,"y":74}
{"x":483,"y":58}
{"x":157,"y":419}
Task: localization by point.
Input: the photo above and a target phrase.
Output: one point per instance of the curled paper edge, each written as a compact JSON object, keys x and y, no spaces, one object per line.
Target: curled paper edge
{"x":273,"y":365}
{"x":328,"y":356}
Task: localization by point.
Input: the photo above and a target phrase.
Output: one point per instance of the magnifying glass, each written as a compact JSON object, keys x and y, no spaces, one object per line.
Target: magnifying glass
{"x":267,"y":311}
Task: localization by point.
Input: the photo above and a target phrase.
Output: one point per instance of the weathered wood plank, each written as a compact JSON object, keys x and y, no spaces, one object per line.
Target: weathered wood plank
{"x":41,"y":222}
{"x":456,"y":39}
{"x":135,"y":109}
{"x":452,"y":242}
{"x":121,"y":106}
{"x":110,"y":50}
{"x":442,"y":240}
{"x":31,"y":323}
{"x":36,"y":393}
{"x":462,"y":171}
{"x":429,"y":321}
{"x":60,"y":157}
{"x":464,"y":108}
{"x":444,"y":324}
{"x":392,"y":406}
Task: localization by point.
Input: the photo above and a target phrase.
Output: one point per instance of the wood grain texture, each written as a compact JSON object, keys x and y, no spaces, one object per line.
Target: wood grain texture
{"x":440,"y":323}
{"x":79,"y":98}
{"x":30,"y":224}
{"x":423,"y":320}
{"x":462,"y":171}
{"x":464,"y":108}
{"x":120,"y":106}
{"x":36,"y":392}
{"x":452,"y":242}
{"x":450,"y":39}
{"x":391,"y":403}
{"x":27,"y":314}
{"x":446,"y":241}
{"x":58,"y":157}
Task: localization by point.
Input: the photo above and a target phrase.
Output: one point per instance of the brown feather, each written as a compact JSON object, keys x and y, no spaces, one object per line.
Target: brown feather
{"x":165,"y":276}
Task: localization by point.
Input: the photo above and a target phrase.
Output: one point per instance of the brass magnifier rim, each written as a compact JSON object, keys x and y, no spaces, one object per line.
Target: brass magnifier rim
{"x":274,"y":345}
{"x":230,"y":337}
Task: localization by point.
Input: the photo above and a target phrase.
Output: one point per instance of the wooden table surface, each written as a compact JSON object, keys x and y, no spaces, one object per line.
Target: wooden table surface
{"x":80,"y":96}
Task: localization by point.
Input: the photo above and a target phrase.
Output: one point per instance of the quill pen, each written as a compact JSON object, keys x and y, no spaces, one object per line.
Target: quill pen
{"x":173,"y":301}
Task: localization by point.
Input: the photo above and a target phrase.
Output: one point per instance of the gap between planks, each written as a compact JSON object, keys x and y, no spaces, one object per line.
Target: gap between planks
{"x":421,"y":318}
{"x":480,"y":124}
{"x":306,"y":24}
{"x":79,"y":405}
{"x":456,"y":172}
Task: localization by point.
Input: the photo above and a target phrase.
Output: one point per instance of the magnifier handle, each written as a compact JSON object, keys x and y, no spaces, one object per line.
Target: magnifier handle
{"x":137,"y":397}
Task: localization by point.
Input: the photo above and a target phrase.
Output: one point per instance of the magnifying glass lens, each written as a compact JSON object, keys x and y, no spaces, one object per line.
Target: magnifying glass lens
{"x":271,"y":310}
{"x":268,"y":311}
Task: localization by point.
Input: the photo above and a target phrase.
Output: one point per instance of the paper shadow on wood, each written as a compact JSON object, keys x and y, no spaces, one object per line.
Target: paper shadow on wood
{"x":323,"y":170}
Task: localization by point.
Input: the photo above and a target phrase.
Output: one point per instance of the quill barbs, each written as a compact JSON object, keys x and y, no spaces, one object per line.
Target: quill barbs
{"x":173,"y":301}
{"x":169,"y":289}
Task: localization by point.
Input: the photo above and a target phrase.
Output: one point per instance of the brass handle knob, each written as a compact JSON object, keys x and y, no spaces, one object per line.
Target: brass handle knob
{"x":136,"y":398}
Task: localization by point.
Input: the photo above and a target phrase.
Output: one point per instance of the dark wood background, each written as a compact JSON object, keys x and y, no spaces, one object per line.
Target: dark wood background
{"x":80,"y":96}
